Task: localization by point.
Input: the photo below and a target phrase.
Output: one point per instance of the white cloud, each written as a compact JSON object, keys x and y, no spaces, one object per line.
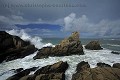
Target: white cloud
{"x":83,"y":24}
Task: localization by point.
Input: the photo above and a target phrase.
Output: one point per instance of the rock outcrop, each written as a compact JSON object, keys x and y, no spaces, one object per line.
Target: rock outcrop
{"x":116,"y":65}
{"x":22,"y":74}
{"x":98,"y":73}
{"x":103,"y":65}
{"x":68,"y":46}
{"x":13,"y":47}
{"x":49,"y":72}
{"x":114,"y":52}
{"x":93,"y":45}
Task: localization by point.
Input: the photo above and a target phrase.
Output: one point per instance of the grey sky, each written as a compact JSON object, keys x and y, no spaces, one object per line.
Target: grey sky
{"x":95,"y":11}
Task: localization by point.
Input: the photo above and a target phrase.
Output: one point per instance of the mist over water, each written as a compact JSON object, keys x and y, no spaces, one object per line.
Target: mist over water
{"x":91,"y":56}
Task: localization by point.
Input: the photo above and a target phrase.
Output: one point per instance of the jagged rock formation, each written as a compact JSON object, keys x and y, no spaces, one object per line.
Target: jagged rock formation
{"x":103,"y":72}
{"x":13,"y":47}
{"x":49,"y":72}
{"x":93,"y":45}
{"x":68,"y":46}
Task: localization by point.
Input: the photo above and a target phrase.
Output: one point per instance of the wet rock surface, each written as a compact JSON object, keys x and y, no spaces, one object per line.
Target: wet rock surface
{"x":49,"y":72}
{"x":22,"y":73}
{"x":13,"y":47}
{"x":116,"y":65}
{"x":93,"y":45}
{"x":103,"y":65}
{"x":114,"y":52}
{"x":68,"y":46}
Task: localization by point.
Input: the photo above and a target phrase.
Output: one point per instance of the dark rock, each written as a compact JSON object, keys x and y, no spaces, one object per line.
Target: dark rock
{"x":93,"y":45}
{"x":18,"y":70}
{"x":98,"y":73}
{"x":19,"y":75}
{"x":103,"y":65}
{"x":105,"y":73}
{"x":55,"y":71}
{"x":116,"y":65}
{"x":22,"y":74}
{"x":52,"y":76}
{"x":20,"y":53}
{"x":59,"y":67}
{"x":28,"y":77}
{"x":115,"y":52}
{"x":13,"y":47}
{"x":68,"y":46}
{"x":50,"y":72}
{"x":82,"y":66}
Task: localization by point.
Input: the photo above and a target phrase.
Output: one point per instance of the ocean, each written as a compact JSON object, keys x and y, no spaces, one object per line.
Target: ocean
{"x":108,"y":43}
{"x":91,"y":56}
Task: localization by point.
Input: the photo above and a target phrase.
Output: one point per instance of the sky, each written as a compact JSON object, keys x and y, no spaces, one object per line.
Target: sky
{"x":58,"y":18}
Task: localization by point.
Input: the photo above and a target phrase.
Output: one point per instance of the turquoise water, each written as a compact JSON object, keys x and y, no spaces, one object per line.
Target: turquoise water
{"x":112,"y":44}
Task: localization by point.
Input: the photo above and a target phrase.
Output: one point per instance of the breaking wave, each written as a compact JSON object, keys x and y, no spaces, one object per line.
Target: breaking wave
{"x":37,"y":41}
{"x":91,"y":56}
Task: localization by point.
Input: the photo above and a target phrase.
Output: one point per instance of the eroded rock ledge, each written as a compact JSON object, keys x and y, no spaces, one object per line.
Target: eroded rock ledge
{"x":102,"y":72}
{"x":68,"y":46}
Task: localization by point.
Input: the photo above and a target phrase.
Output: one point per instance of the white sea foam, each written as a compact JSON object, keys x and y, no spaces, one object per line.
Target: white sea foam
{"x":91,"y":56}
{"x":114,"y":45}
{"x":49,"y":44}
{"x":37,"y":41}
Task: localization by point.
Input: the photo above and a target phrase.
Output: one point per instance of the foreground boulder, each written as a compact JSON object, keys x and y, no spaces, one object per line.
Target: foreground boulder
{"x":22,"y":74}
{"x":93,"y":45}
{"x":49,"y":72}
{"x":13,"y":47}
{"x":68,"y":46}
{"x":98,"y":73}
{"x":82,"y":66}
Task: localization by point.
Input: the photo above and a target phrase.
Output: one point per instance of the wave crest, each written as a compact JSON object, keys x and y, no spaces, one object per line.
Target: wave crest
{"x":37,"y":41}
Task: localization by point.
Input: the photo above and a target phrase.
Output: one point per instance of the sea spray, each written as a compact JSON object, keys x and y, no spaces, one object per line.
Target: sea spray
{"x":91,"y":56}
{"x":37,"y":41}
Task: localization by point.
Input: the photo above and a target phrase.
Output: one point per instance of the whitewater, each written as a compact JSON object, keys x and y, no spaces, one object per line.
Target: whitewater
{"x":91,"y":56}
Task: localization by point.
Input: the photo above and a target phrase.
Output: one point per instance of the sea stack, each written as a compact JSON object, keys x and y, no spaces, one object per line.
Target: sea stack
{"x":93,"y":45}
{"x":69,"y":46}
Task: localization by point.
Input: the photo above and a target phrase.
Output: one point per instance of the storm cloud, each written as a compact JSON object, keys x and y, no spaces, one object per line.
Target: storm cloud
{"x":100,"y":29}
{"x":90,"y":17}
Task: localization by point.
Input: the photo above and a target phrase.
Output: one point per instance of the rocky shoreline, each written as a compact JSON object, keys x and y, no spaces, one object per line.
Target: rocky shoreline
{"x":57,"y":71}
{"x":101,"y":72}
{"x":13,"y":47}
{"x":68,"y":46}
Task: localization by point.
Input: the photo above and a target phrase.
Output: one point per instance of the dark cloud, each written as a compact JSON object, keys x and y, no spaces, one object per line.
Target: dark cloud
{"x":91,"y":15}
